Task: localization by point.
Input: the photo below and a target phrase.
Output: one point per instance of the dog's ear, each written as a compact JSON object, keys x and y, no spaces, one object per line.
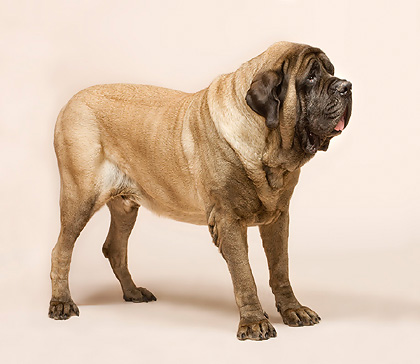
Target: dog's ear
{"x":265,"y":96}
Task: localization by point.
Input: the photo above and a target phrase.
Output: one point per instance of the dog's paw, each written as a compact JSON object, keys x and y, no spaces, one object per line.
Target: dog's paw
{"x":62,"y":310}
{"x":139,"y":294}
{"x":261,"y":330}
{"x":302,"y":316}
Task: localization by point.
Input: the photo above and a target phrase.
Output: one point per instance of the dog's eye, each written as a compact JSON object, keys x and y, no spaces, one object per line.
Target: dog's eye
{"x":314,"y":71}
{"x":311,"y":78}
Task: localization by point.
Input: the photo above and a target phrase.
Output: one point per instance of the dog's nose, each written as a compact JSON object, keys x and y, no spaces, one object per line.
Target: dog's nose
{"x":343,"y":87}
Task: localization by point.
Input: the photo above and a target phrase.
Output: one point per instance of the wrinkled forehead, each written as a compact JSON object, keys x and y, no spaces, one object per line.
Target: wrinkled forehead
{"x":312,"y":56}
{"x":297,"y":59}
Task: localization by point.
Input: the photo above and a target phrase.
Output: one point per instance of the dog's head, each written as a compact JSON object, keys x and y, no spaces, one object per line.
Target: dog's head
{"x":301,"y":96}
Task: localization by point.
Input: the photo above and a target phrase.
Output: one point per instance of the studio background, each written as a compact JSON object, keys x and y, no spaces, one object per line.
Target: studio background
{"x":354,"y":237}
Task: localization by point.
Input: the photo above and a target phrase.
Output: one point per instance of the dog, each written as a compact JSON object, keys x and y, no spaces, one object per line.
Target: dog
{"x":228,"y":157}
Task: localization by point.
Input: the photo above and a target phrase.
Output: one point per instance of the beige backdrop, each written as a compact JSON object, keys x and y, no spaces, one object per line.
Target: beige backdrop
{"x":354,"y":221}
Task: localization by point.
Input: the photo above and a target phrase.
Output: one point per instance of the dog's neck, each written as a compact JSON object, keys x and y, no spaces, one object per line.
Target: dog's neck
{"x":278,"y":161}
{"x":276,"y":158}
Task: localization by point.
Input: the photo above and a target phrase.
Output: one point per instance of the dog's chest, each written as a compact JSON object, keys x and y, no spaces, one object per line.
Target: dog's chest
{"x":248,"y":200}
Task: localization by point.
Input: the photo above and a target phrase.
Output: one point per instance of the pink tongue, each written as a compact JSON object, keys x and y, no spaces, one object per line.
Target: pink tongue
{"x":340,"y":125}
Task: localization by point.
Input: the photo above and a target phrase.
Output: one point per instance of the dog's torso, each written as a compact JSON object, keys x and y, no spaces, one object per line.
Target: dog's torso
{"x":152,"y":146}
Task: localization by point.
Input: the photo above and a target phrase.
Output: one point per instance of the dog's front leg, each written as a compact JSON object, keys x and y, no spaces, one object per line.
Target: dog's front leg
{"x":230,"y":235}
{"x":275,"y":241}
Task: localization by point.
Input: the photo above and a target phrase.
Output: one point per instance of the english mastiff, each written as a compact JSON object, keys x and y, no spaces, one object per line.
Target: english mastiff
{"x":228,"y":157}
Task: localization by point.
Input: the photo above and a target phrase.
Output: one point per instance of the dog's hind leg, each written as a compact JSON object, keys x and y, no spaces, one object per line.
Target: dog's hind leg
{"x":123,"y":216}
{"x":80,"y":160}
{"x":76,"y":210}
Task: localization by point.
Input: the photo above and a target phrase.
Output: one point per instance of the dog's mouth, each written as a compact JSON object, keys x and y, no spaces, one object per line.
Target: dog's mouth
{"x":315,"y":142}
{"x":342,"y":123}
